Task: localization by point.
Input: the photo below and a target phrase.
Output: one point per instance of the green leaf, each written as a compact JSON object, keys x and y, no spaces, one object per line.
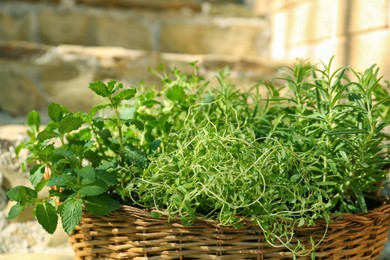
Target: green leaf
{"x":96,"y":188}
{"x":327,"y":183}
{"x":69,"y":124}
{"x":46,"y":134}
{"x":101,"y":205}
{"x":134,"y":156}
{"x":150,"y":103}
{"x":56,"y":112}
{"x":61,"y":195}
{"x":70,"y":156}
{"x":22,"y":194}
{"x":360,"y":197}
{"x":71,"y":213}
{"x":108,"y":177}
{"x":18,"y":149}
{"x":301,"y":222}
{"x":33,"y":120}
{"x":112,"y":87}
{"x":125,"y":94}
{"x":67,"y":181}
{"x":88,"y":172}
{"x":105,"y":134}
{"x":176,"y":93}
{"x":189,"y":209}
{"x":15,"y":210}
{"x":36,"y":177}
{"x":155,"y":144}
{"x":346,"y":131}
{"x":99,"y":88}
{"x":97,"y":108}
{"x":47,"y":216}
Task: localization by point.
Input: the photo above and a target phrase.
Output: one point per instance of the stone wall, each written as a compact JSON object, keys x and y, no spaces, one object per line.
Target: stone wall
{"x":357,"y":32}
{"x":32,"y":75}
{"x":216,"y":29}
{"x":51,"y":50}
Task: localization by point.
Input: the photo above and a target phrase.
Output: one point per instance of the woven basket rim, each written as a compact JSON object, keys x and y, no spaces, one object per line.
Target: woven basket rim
{"x":132,"y":232}
{"x":336,"y":218}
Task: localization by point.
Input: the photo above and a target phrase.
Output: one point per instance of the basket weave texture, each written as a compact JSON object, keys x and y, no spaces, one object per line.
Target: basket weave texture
{"x":131,"y":233}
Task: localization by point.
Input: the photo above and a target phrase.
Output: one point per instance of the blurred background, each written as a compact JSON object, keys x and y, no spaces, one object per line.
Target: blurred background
{"x":51,"y":49}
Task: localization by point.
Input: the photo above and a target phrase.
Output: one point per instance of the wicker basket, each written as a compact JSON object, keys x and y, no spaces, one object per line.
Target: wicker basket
{"x":131,"y":233}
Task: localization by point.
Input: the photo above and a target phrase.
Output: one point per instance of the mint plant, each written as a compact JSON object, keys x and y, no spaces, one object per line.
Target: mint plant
{"x":283,"y":153}
{"x":82,"y":164}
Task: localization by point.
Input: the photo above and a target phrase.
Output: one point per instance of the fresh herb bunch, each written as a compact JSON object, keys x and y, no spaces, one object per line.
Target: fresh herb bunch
{"x":283,"y":153}
{"x":340,"y":123}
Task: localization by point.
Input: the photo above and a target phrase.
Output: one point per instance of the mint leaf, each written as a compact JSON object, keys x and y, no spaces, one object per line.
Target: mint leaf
{"x":71,"y":213}
{"x":69,"y":124}
{"x":96,"y":188}
{"x":88,"y":172}
{"x":112,"y":87}
{"x":70,"y":156}
{"x":176,"y":93}
{"x":108,"y":177}
{"x":15,"y":210}
{"x":125,"y":94}
{"x":155,"y":144}
{"x":134,"y":156}
{"x":67,"y":181}
{"x":97,"y":108}
{"x":22,"y":194}
{"x":47,"y":216}
{"x":36,"y":177}
{"x":99,"y":88}
{"x":46,"y":134}
{"x":56,"y":112}
{"x":150,"y":103}
{"x":33,"y":120}
{"x":101,"y":205}
{"x":58,"y":194}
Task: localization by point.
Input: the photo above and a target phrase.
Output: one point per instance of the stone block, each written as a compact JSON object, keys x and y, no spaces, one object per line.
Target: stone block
{"x":61,"y":26}
{"x":133,"y":31}
{"x":149,"y":4}
{"x":304,"y":22}
{"x":371,"y":48}
{"x":362,"y":15}
{"x":279,"y":35}
{"x":230,"y":36}
{"x":19,"y":93}
{"x":320,"y":51}
{"x":261,"y":7}
{"x":280,"y":4}
{"x":67,"y":85}
{"x":14,"y":25}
